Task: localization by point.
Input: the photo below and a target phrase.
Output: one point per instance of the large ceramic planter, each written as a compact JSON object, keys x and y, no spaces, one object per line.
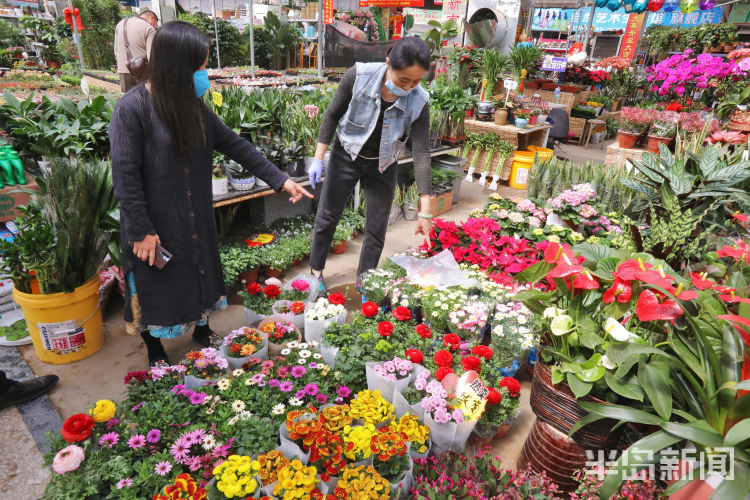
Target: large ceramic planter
{"x":484,"y":111}
{"x":501,"y":116}
{"x":654,"y":141}
{"x":627,"y":140}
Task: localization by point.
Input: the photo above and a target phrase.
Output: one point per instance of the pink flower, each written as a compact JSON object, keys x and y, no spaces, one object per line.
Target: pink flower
{"x":68,"y":459}
{"x":123,"y":483}
{"x":301,"y":285}
{"x":109,"y":439}
{"x":153,"y":436}
{"x":163,"y":468}
{"x":136,"y":441}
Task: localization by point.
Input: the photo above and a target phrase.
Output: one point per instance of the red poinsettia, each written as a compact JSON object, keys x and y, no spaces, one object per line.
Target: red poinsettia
{"x":442,"y":372}
{"x":493,"y":396}
{"x":513,"y":385}
{"x":337,"y":299}
{"x":701,"y":281}
{"x":424,"y":331}
{"x":443,"y":358}
{"x":620,"y":291}
{"x":482,"y":351}
{"x":271,"y":291}
{"x":414,"y":356}
{"x":370,"y":309}
{"x":652,"y":306}
{"x":385,"y":328}
{"x":452,"y":341}
{"x":402,"y":313}
{"x":471,"y":363}
{"x":254,"y":288}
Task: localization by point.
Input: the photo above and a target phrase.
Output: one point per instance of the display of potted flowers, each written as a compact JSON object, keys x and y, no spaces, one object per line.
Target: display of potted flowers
{"x":270,"y":463}
{"x":296,"y":481}
{"x":574,"y":205}
{"x":512,"y":334}
{"x":242,"y":344}
{"x":533,"y":114}
{"x":203,"y":367}
{"x":258,"y":301}
{"x":501,"y":410}
{"x":280,"y":332}
{"x":543,"y":107}
{"x":382,"y":376}
{"x":370,"y":407}
{"x":362,"y":482}
{"x":467,"y":320}
{"x":357,"y":447}
{"x":663,"y":130}
{"x":522,"y":116}
{"x":183,"y":488}
{"x":297,"y":290}
{"x":322,"y":314}
{"x":633,"y":123}
{"x":416,"y":434}
{"x":294,"y":311}
{"x":235,"y":477}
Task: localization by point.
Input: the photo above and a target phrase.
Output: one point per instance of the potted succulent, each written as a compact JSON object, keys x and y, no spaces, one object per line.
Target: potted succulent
{"x":522,"y":117}
{"x":633,"y":123}
{"x":219,"y":183}
{"x":411,"y":202}
{"x":663,"y":130}
{"x":239,"y":178}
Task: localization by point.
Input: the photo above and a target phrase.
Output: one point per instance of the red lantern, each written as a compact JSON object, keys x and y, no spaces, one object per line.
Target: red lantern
{"x":654,"y":5}
{"x":70,"y":15}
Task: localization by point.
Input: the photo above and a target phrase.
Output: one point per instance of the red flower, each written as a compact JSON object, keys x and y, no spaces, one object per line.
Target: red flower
{"x":337,"y":299}
{"x":740,"y":218}
{"x":402,"y":313}
{"x":650,"y":308}
{"x":628,"y":270}
{"x":620,"y":290}
{"x":370,"y":309}
{"x":482,"y":351}
{"x":452,"y":341}
{"x":271,"y":291}
{"x":701,"y":281}
{"x":414,"y":356}
{"x":254,"y":288}
{"x":585,"y":281}
{"x":731,"y":298}
{"x":513,"y":385}
{"x":493,"y":396}
{"x":424,"y":331}
{"x":471,"y":363}
{"x":555,"y":251}
{"x":443,"y":358}
{"x":442,"y":372}
{"x":385,"y":328}
{"x":738,"y":252}
{"x":77,"y":428}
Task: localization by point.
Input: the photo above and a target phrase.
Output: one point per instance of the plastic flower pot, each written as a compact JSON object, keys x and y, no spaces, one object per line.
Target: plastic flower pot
{"x":415,"y":455}
{"x":252,"y":318}
{"x":504,"y":428}
{"x":532,"y":119}
{"x":191,"y":381}
{"x":410,"y":212}
{"x":275,"y":349}
{"x":340,"y":248}
{"x":329,"y":354}
{"x":521,"y":122}
{"x":485,"y":434}
{"x":654,"y":141}
{"x":289,"y":448}
{"x":627,"y":140}
{"x":541,"y":119}
{"x":235,"y":363}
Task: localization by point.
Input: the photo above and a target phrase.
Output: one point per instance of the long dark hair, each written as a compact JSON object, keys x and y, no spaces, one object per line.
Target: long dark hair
{"x":407,"y":52}
{"x":178,"y":50}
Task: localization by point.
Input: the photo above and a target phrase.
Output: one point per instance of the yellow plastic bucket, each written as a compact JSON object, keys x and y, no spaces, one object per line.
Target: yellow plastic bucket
{"x":64,"y":327}
{"x":545,"y":154}
{"x":523,"y":161}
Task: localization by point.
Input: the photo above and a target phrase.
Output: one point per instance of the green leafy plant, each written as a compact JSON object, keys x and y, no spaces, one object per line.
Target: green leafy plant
{"x":99,"y":17}
{"x":233,"y":46}
{"x":439,"y":33}
{"x":527,"y":57}
{"x":283,"y":37}
{"x":494,"y":64}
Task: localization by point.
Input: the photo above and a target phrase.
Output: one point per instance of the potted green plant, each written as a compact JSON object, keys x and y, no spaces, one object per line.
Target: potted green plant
{"x":295,"y":158}
{"x":453,"y":101}
{"x":342,"y":234}
{"x":411,"y":202}
{"x":662,"y":130}
{"x":525,"y":57}
{"x":633,"y":123}
{"x":52,"y":56}
{"x":219,"y":183}
{"x":239,"y":177}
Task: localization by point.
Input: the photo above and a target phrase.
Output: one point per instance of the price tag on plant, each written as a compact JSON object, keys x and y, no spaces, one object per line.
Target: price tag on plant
{"x":471,"y":395}
{"x":510,"y":84}
{"x":557,"y":64}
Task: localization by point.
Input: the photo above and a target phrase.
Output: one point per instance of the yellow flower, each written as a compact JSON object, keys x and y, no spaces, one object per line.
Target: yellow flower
{"x":217,"y":98}
{"x":103,"y":410}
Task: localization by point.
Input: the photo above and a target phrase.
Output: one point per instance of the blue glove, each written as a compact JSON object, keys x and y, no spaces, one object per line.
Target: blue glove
{"x":316,"y":168}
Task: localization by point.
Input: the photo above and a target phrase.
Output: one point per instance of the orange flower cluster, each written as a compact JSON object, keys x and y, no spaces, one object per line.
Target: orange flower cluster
{"x":184,"y":488}
{"x":326,"y":453}
{"x":388,"y":443}
{"x":270,"y":463}
{"x":335,"y":418}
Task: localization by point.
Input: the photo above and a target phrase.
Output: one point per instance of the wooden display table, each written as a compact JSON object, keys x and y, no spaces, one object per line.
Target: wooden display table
{"x":521,"y":138}
{"x":620,"y":156}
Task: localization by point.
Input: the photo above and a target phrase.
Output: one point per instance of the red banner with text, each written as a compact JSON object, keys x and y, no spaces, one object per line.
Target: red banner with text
{"x":391,"y":3}
{"x":328,"y":11}
{"x":630,"y":39}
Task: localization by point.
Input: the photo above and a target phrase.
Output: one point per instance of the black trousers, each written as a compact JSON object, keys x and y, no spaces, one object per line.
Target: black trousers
{"x":342,"y":176}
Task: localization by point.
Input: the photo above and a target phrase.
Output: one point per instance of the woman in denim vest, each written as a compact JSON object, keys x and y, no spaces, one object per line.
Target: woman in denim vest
{"x":375,"y":110}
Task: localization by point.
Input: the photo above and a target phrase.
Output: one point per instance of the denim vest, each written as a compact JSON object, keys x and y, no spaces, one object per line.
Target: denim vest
{"x":357,"y":124}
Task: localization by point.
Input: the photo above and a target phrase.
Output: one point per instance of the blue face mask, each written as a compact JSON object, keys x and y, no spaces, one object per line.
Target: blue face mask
{"x":397,"y":91}
{"x":200,"y":80}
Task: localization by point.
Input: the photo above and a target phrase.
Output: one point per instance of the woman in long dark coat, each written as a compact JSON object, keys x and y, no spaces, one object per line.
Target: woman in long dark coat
{"x":162,"y":142}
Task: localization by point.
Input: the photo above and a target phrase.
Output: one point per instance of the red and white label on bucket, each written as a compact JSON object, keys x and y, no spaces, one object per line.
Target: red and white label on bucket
{"x":63,"y":337}
{"x":522,"y":175}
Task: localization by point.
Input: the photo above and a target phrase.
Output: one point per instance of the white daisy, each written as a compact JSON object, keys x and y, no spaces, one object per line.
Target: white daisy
{"x":317,"y":355}
{"x":209,"y":442}
{"x":305,"y":353}
{"x":234,"y":420}
{"x":435,"y":314}
{"x":210,"y":411}
{"x":278,"y":409}
{"x":301,"y":361}
{"x":223,"y":384}
{"x":314,"y":344}
{"x":303,"y":345}
{"x":245,"y":415}
{"x":238,"y":372}
{"x":285,"y":352}
{"x":249,"y":381}
{"x":292,"y":344}
{"x":238,"y":406}
{"x":295,"y":401}
{"x":208,"y":399}
{"x":444,"y":307}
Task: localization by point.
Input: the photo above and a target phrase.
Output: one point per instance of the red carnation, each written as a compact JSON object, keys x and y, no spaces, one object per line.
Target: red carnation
{"x":442,"y":372}
{"x":452,"y":341}
{"x":471,"y":363}
{"x":424,"y":331}
{"x":443,"y":358}
{"x":385,"y":328}
{"x":370,"y":309}
{"x":254,"y":288}
{"x":482,"y":351}
{"x":493,"y":396}
{"x":513,"y":385}
{"x":77,"y":428}
{"x":337,"y":299}
{"x":271,"y":291}
{"x":402,"y":313}
{"x":414,"y":356}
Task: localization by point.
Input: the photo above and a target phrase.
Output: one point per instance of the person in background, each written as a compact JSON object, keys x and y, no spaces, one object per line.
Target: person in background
{"x":375,"y":110}
{"x":13,"y":392}
{"x":162,"y":138}
{"x":397,"y":24}
{"x":141,"y":32}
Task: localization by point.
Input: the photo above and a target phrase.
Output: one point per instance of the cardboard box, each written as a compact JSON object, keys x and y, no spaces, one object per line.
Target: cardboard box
{"x":12,"y":197}
{"x":441,"y":204}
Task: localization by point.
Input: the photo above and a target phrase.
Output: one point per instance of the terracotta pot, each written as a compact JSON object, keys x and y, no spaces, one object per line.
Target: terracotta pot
{"x":296,"y":262}
{"x":533,"y":119}
{"x":654,"y":141}
{"x":573,"y":89}
{"x":549,"y":86}
{"x":270,"y":272}
{"x":627,"y":140}
{"x":340,"y":248}
{"x":549,"y":450}
{"x":502,"y":430}
{"x":501,"y":116}
{"x":531,"y":85}
{"x":249,"y":276}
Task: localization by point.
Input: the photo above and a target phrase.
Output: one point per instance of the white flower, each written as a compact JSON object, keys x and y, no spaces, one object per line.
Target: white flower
{"x":616,"y":330}
{"x":322,"y":366}
{"x":437,"y":303}
{"x":301,"y":361}
{"x":209,"y":442}
{"x":249,"y":381}
{"x":444,"y":307}
{"x":234,"y":420}
{"x":314,"y":344}
{"x":551,"y":312}
{"x":303,"y":345}
{"x":317,"y":355}
{"x":245,"y":415}
{"x":223,"y":384}
{"x":238,"y":372}
{"x":435,"y":314}
{"x":305,"y":353}
{"x":292,"y":344}
{"x":285,"y":352}
{"x":295,"y":401}
{"x":278,"y":409}
{"x":238,"y":406}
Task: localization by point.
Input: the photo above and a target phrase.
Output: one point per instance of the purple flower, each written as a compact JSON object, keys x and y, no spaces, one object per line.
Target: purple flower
{"x":286,"y":387}
{"x":122,"y":483}
{"x":109,"y":439}
{"x":179,"y":450}
{"x":163,"y":468}
{"x":112,"y":422}
{"x":321,"y":398}
{"x":311,"y":389}
{"x":153,"y":436}
{"x":178,"y":389}
{"x":274,"y":382}
{"x":298,"y":371}
{"x":136,"y":441}
{"x":257,"y":378}
{"x":313,"y":365}
{"x":283,"y":371}
{"x":300,"y":394}
{"x":197,"y":398}
{"x":136,"y":407}
{"x":343,"y":391}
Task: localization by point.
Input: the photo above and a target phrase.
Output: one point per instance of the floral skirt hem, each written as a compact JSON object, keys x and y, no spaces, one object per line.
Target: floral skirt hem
{"x":163,"y":332}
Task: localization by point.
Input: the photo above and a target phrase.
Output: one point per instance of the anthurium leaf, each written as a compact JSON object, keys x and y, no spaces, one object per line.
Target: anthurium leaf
{"x":570,"y":367}
{"x":737,"y":487}
{"x":739,"y":433}
{"x":579,"y":387}
{"x":654,"y":378}
{"x":590,"y":339}
{"x":592,"y":361}
{"x":627,"y":389}
{"x":591,"y":374}
{"x":557,"y":375}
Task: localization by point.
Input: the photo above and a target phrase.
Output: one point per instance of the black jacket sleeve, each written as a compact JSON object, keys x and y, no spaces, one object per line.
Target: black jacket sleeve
{"x":338,"y":106}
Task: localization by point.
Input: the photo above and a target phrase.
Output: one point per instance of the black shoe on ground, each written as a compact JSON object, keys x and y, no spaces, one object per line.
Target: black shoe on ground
{"x":21,"y":392}
{"x":203,"y":336}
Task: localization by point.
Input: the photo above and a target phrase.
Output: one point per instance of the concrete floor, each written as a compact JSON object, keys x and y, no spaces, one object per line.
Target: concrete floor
{"x":100,"y":376}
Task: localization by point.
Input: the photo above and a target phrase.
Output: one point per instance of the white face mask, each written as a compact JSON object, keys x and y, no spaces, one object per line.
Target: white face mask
{"x":395,"y":89}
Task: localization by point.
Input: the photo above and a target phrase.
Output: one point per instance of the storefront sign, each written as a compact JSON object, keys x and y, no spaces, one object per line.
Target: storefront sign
{"x":455,"y":10}
{"x":630,"y":38}
{"x":328,"y":11}
{"x":34,"y":4}
{"x":391,"y":3}
{"x":423,"y":16}
{"x":552,"y":63}
{"x":606,"y":20}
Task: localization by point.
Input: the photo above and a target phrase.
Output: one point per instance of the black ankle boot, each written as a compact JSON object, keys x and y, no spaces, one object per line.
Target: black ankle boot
{"x":155,"y":349}
{"x":20,"y":392}
{"x":202,"y":335}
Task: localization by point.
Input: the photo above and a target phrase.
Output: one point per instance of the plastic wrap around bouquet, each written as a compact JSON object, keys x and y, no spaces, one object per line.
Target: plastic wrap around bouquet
{"x":329,"y":353}
{"x":400,"y":405}
{"x":320,"y":316}
{"x":236,"y":337}
{"x":384,"y":375}
{"x":440,"y":271}
{"x":289,"y":448}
